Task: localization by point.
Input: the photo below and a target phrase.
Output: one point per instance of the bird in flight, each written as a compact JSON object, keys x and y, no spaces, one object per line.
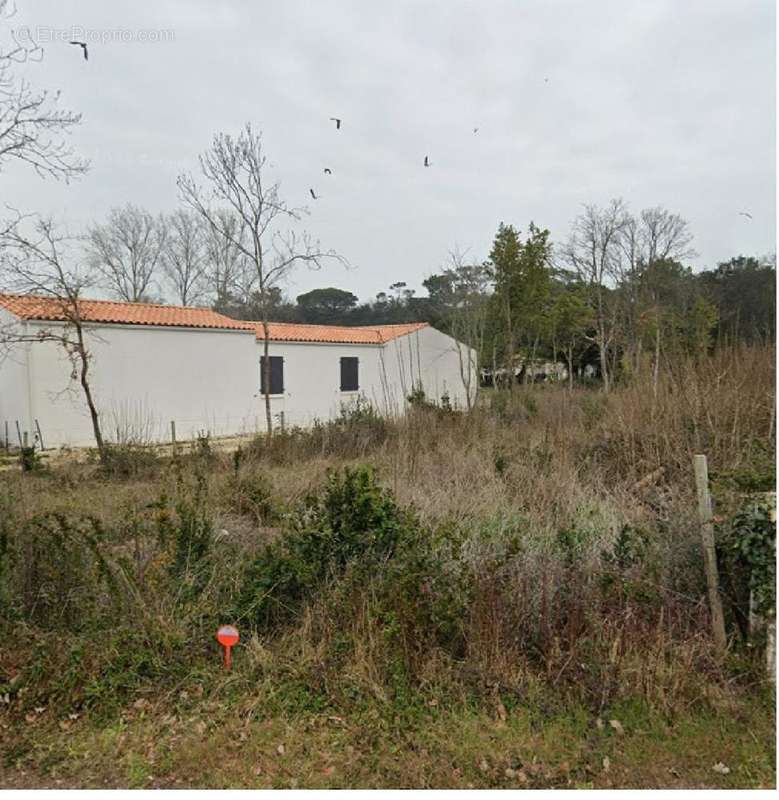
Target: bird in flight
{"x":475,"y":130}
{"x":83,"y":46}
{"x":427,"y":161}
{"x":745,"y":214}
{"x":328,"y":171}
{"x":313,"y":195}
{"x":337,"y":123}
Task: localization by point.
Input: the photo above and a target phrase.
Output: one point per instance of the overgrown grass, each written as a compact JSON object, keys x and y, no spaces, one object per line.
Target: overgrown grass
{"x":536,"y":558}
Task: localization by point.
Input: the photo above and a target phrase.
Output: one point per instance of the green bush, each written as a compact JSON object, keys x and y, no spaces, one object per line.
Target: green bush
{"x":187,"y":527}
{"x":752,"y":540}
{"x":62,"y":578}
{"x":30,"y":459}
{"x":352,"y":519}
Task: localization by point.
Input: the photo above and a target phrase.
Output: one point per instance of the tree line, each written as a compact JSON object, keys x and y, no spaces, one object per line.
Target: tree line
{"x":617,"y":294}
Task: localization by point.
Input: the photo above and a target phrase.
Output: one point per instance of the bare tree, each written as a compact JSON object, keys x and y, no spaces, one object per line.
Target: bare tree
{"x":656,"y":235}
{"x":462,"y":290}
{"x":35,"y":257}
{"x":593,"y":250}
{"x":184,"y":256}
{"x":32,"y":127}
{"x":126,"y":251}
{"x":229,"y":274}
{"x":234,"y":168}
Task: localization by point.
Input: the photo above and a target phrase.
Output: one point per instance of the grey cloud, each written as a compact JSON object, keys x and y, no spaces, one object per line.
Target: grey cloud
{"x":661,"y":103}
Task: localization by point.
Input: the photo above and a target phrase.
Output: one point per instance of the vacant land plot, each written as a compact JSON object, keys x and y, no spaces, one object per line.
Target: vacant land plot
{"x":512,"y":597}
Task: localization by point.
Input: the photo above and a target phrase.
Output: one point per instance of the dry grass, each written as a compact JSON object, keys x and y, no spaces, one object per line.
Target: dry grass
{"x":565,"y":552}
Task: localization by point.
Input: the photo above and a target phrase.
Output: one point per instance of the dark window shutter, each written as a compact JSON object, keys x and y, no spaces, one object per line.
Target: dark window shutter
{"x":276,"y":375}
{"x":349,"y":374}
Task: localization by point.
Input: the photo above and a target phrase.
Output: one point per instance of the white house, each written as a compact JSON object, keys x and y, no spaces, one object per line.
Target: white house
{"x":152,"y":365}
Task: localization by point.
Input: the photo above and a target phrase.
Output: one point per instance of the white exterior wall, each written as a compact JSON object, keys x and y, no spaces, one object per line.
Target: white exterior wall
{"x":312,"y":379}
{"x":436,"y":362}
{"x":386,"y":374}
{"x":142,"y":377}
{"x":13,"y":383}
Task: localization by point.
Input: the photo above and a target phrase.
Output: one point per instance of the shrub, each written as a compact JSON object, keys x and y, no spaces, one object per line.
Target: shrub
{"x":751,"y":542}
{"x":187,"y":526}
{"x":30,"y":459}
{"x":417,"y":397}
{"x":352,"y":519}
{"x":127,"y":460}
{"x":202,"y":446}
{"x":251,"y":493}
{"x":63,"y":579}
{"x":358,"y":430}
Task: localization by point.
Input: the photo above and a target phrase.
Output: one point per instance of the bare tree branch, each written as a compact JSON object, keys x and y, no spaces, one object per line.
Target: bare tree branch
{"x":233,"y":168}
{"x":126,"y":252}
{"x":35,"y":256}
{"x":184,"y":256}
{"x":32,"y":127}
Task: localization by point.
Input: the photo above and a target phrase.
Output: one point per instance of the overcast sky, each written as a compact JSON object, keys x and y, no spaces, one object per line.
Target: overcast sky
{"x":660,"y":102}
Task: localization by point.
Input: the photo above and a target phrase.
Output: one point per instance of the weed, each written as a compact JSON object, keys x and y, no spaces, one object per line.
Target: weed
{"x":64,"y":580}
{"x":252,"y":494}
{"x":530,"y":568}
{"x":127,"y":460}
{"x":30,"y":459}
{"x":202,"y":446}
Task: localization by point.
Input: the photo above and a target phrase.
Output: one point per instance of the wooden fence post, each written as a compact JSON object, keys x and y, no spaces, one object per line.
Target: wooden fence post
{"x":709,"y":553}
{"x":40,"y":434}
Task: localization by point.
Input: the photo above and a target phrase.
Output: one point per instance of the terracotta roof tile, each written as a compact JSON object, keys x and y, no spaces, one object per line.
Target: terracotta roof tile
{"x":335,"y":334}
{"x":108,"y":311}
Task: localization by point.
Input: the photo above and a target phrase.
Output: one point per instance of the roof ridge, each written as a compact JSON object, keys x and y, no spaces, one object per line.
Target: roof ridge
{"x":54,"y":298}
{"x":296,"y":324}
{"x":326,"y":325}
{"x":392,"y":325}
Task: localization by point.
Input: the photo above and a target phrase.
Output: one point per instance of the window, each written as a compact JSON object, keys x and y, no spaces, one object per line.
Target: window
{"x":349,"y":370}
{"x":276,"y":375}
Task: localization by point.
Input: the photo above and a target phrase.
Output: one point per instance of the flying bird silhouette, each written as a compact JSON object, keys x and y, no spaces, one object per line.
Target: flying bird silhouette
{"x":427,"y":161}
{"x":337,"y":123}
{"x":475,"y":130}
{"x":313,"y":195}
{"x":745,"y":214}
{"x":328,"y":171}
{"x":83,"y":46}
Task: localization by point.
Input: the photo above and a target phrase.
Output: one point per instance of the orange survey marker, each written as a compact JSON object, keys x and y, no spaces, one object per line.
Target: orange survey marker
{"x":227,"y":636}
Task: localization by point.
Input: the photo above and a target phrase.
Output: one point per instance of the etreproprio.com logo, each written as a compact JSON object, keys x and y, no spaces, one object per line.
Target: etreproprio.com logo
{"x":44,"y":34}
